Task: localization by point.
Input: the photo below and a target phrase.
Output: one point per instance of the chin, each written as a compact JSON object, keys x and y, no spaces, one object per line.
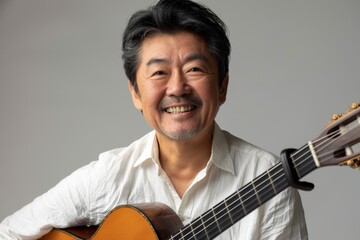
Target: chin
{"x":182,"y":136}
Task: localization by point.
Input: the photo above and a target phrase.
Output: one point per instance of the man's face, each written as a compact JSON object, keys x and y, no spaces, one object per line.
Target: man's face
{"x":178,"y":85}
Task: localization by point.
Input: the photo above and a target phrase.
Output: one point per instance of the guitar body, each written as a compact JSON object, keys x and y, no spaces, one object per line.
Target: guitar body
{"x":154,"y":221}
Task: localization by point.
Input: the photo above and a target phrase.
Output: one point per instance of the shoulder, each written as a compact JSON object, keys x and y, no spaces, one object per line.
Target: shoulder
{"x":127,"y":155}
{"x":116,"y":161}
{"x":247,"y":157}
{"x":240,"y":146}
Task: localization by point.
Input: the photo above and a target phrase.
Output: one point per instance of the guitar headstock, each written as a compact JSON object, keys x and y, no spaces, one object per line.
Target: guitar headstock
{"x":339,"y":143}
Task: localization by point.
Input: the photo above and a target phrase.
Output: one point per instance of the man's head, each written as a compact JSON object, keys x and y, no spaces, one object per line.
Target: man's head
{"x":176,"y":56}
{"x":170,"y":17}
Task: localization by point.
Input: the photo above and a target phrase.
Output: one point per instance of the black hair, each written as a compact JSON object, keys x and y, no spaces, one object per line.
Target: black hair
{"x":170,"y":17}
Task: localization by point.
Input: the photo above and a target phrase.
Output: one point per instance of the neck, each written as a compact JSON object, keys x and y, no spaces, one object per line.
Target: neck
{"x":183,"y":160}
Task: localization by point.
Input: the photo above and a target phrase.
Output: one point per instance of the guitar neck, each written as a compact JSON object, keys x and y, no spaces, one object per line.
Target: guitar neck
{"x":245,"y":200}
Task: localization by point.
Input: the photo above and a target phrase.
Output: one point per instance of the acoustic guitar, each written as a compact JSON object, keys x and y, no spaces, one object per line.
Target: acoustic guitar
{"x":338,"y":144}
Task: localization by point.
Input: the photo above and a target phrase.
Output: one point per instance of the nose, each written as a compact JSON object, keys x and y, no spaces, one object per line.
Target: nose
{"x":177,"y":85}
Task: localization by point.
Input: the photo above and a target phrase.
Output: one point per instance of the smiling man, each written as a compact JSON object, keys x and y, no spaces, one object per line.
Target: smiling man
{"x":178,"y":91}
{"x":176,"y":57}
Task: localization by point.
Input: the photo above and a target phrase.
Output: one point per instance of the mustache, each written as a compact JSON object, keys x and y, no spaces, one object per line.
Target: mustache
{"x":183,"y":100}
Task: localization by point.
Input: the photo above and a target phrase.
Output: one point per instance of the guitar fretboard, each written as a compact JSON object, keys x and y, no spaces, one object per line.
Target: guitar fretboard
{"x":245,"y":200}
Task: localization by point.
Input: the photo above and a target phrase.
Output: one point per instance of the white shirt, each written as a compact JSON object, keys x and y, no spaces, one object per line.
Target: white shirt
{"x":134,"y":175}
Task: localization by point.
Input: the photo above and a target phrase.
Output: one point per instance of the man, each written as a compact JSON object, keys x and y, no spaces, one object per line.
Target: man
{"x":176,"y":57}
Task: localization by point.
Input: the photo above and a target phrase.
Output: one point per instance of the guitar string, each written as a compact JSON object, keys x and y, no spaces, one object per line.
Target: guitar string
{"x":212,"y":212}
{"x":320,"y":147}
{"x":339,"y":133}
{"x":245,"y":202}
{"x":250,"y":197}
{"x":249,"y":204}
{"x":325,"y":142}
{"x":236,"y":206}
{"x":334,"y":135}
{"x":316,"y":141}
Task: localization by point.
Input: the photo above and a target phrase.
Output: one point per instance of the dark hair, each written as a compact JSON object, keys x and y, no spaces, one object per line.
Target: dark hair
{"x":171,"y":16}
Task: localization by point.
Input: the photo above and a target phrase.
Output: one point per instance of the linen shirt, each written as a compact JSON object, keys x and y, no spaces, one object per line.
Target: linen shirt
{"x":134,"y":175}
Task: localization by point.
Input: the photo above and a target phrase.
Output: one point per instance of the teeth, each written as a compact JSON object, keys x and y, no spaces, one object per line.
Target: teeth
{"x":177,"y":110}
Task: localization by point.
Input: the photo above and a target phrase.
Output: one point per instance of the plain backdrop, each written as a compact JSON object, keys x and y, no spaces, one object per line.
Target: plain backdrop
{"x":64,"y":96}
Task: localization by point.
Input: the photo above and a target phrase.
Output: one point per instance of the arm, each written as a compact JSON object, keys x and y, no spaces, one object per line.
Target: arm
{"x":64,"y":205}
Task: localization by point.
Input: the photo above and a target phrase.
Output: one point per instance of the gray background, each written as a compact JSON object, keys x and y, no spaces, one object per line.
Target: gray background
{"x":64,"y":97}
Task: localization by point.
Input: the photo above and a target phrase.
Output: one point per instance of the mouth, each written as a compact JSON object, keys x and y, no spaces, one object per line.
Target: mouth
{"x":179,"y":109}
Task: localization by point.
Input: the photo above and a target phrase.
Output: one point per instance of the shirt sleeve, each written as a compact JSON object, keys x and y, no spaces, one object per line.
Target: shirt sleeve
{"x":65,"y":204}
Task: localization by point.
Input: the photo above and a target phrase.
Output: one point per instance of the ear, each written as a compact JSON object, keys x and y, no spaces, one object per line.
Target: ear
{"x":223,"y":89}
{"x":135,"y":96}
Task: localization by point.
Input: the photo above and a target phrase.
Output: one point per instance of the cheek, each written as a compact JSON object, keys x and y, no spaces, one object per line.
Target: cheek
{"x":209,"y":93}
{"x":151,"y":97}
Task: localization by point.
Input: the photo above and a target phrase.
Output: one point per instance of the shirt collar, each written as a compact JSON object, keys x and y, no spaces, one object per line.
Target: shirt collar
{"x":149,"y":149}
{"x":220,"y":155}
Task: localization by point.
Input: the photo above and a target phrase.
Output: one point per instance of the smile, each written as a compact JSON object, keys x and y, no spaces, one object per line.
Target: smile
{"x":179,"y":109}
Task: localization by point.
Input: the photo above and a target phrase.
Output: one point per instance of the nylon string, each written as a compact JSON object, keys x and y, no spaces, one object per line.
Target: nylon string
{"x":299,"y":162}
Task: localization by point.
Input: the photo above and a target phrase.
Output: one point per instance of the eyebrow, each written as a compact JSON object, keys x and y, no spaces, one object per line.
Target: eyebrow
{"x":190,"y":58}
{"x":196,"y":56}
{"x":157,"y":61}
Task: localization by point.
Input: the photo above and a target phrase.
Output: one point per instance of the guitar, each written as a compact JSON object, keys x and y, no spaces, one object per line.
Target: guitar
{"x":338,"y":144}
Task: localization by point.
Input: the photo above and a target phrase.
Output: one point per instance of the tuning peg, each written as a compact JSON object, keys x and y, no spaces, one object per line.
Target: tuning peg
{"x":353,"y":163}
{"x":354,"y":106}
{"x":335,"y":117}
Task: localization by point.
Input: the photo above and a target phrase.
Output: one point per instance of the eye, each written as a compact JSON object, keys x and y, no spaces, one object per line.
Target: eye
{"x":195,"y":72}
{"x":195,"y":69}
{"x":159,"y":73}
